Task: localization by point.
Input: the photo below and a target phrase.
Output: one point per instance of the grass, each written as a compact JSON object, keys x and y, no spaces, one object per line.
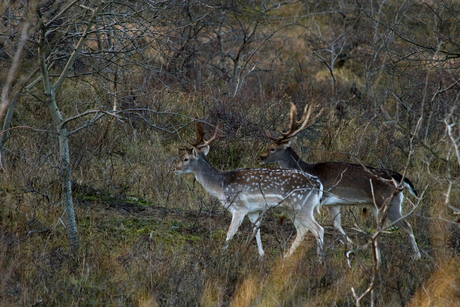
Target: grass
{"x":136,"y":254}
{"x":149,"y":237}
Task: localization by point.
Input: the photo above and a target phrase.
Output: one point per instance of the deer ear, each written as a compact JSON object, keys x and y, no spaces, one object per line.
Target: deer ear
{"x":205,"y":150}
{"x":195,"y":151}
{"x":288,"y":143}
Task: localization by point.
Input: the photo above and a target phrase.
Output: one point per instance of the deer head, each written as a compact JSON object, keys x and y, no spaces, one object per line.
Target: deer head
{"x":197,"y":150}
{"x":277,"y":150}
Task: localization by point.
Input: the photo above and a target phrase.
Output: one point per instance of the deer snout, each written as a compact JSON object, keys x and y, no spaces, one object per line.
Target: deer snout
{"x":182,"y":168}
{"x":177,"y":169}
{"x":262,"y":159}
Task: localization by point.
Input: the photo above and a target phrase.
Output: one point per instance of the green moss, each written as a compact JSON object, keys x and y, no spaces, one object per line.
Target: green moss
{"x":219,"y":235}
{"x":106,"y":197}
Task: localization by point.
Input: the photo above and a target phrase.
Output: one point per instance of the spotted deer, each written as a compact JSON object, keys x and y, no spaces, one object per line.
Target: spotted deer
{"x":343,"y":183}
{"x":251,"y":191}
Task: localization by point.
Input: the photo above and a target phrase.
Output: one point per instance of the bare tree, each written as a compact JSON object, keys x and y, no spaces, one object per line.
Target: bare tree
{"x":72,"y":40}
{"x":50,"y":90}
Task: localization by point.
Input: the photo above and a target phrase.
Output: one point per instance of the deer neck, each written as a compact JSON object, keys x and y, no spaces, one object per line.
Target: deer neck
{"x":292,"y":160}
{"x":210,"y":177}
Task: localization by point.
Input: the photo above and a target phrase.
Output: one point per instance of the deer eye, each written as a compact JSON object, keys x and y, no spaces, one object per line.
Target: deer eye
{"x":185,"y":159}
{"x":272,"y":149}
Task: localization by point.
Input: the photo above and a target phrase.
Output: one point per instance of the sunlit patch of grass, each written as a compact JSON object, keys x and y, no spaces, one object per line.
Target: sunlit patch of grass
{"x":147,"y":300}
{"x":247,"y":292}
{"x":213,"y":292}
{"x":443,"y":287}
{"x":277,"y":285}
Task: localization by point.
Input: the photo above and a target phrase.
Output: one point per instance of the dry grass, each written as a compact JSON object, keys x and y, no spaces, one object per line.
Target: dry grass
{"x":141,"y":255}
{"x":442,"y":289}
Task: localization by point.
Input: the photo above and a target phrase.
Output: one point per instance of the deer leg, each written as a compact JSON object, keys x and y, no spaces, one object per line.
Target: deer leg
{"x":301,"y":231}
{"x":337,"y":221}
{"x":254,"y":216}
{"x":318,"y":232}
{"x":302,"y":226}
{"x":237,"y":219}
{"x":304,"y":221}
{"x":394,"y":214}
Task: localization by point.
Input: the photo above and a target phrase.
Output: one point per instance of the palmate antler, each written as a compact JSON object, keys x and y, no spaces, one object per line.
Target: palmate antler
{"x":295,"y":127}
{"x":199,"y":130}
{"x":200,"y":133}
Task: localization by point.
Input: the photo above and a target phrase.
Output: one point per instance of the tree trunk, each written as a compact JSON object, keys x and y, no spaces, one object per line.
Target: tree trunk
{"x":65,"y":174}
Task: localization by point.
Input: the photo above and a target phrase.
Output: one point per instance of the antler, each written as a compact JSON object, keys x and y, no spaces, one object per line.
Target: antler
{"x":217,"y":134}
{"x":295,"y":126}
{"x":199,"y":130}
{"x":200,"y":133}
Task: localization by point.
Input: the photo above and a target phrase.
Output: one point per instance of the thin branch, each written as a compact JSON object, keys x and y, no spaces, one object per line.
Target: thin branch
{"x":98,"y":115}
{"x":77,"y":49}
{"x":60,"y":13}
{"x":5,"y":102}
{"x":453,"y":139}
{"x":24,"y":127}
{"x":404,"y":38}
{"x":421,"y":142}
{"x":87,"y":113}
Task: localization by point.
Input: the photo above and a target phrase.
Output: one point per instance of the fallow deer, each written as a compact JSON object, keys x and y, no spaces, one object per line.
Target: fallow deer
{"x":251,"y":191}
{"x":344,"y":183}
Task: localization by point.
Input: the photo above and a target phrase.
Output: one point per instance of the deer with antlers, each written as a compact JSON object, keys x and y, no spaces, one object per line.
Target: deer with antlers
{"x":344,"y":183}
{"x":251,"y":191}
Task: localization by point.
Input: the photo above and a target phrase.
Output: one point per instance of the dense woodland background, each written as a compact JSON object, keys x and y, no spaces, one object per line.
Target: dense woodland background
{"x":98,"y":95}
